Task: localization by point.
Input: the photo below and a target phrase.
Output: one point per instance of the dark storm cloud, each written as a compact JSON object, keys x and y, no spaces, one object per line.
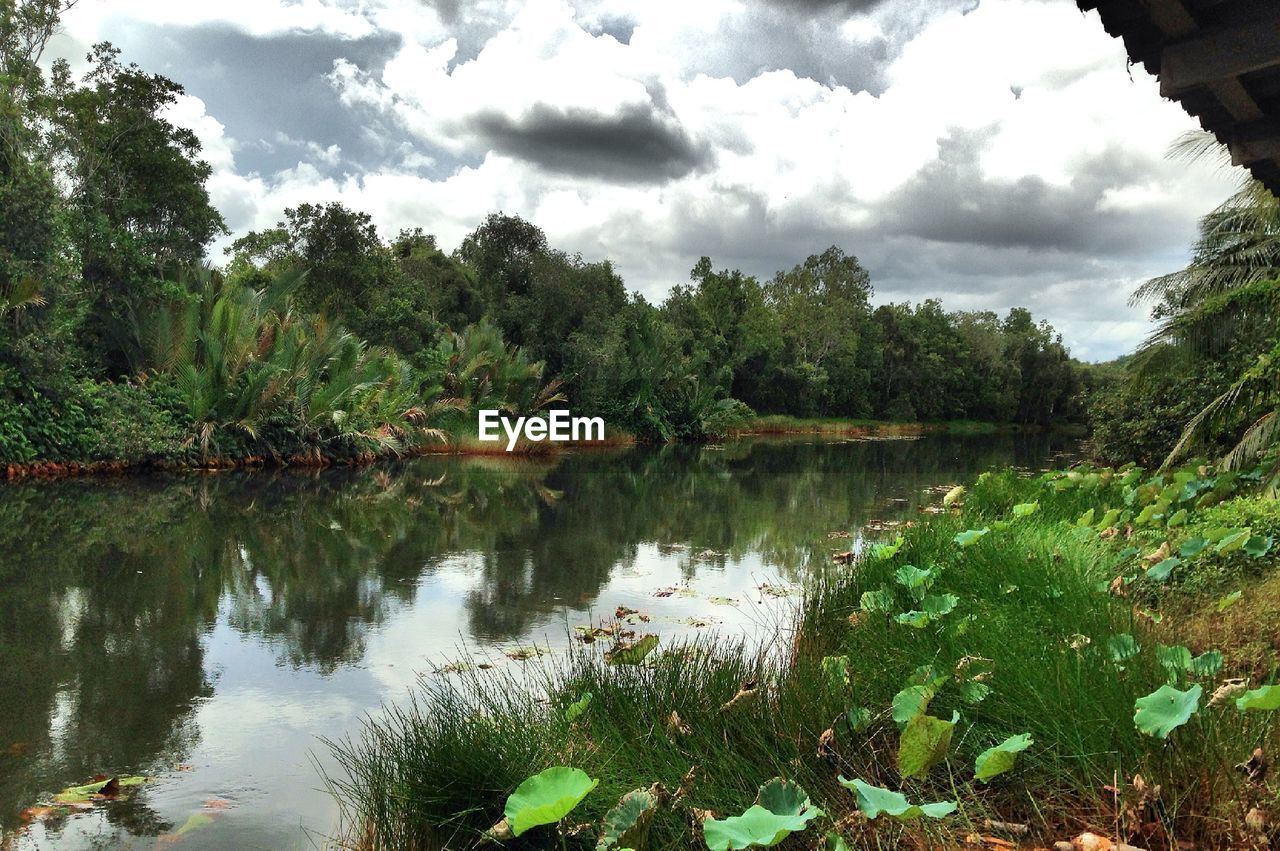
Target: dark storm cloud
{"x":270,"y":92}
{"x":951,"y":201}
{"x":639,"y":144}
{"x":805,"y":37}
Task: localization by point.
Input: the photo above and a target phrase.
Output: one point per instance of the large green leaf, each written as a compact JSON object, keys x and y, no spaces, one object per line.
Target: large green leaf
{"x":1257,"y":546}
{"x":1267,"y":697}
{"x":914,"y":579}
{"x":632,"y":653}
{"x":1165,"y":709}
{"x":627,"y":824}
{"x":1160,"y":572}
{"x":1001,"y":758}
{"x":1232,"y":541}
{"x":84,"y":794}
{"x":1026,"y":509}
{"x":573,"y":710}
{"x":872,"y":801}
{"x":1175,"y":660}
{"x":924,"y":743}
{"x":781,"y":808}
{"x":876,"y":601}
{"x":547,"y":797}
{"x":912,"y":701}
{"x":1122,"y":647}
{"x":970,"y":537}
{"x":1192,"y":547}
{"x":1207,"y":664}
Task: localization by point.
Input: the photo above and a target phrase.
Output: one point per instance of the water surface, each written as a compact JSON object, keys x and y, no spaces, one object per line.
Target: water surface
{"x":206,"y":630}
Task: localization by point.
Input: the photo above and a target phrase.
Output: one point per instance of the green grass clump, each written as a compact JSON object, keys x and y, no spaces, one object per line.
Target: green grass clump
{"x":1043,"y":628}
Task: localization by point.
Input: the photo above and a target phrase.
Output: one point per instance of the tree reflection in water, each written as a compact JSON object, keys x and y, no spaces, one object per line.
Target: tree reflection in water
{"x":110,"y":588}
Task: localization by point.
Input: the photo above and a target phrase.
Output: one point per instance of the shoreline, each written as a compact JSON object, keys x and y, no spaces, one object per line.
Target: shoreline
{"x":469,"y":446}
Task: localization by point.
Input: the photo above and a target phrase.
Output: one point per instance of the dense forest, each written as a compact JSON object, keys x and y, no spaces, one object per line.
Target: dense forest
{"x":323,"y":337}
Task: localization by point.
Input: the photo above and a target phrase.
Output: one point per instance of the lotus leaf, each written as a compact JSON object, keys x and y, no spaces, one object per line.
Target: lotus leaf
{"x":1232,"y":541}
{"x":1266,"y":697}
{"x":1160,"y":572}
{"x":84,"y":794}
{"x":872,"y":801}
{"x":1026,"y":509}
{"x":924,"y":743}
{"x":632,"y":653}
{"x":573,"y":710}
{"x":1192,"y":547}
{"x":876,"y":601}
{"x":1122,"y":647}
{"x":971,"y":536}
{"x":781,"y":808}
{"x":1001,"y":758}
{"x":1165,"y":709}
{"x":627,"y":824}
{"x":1257,"y":546}
{"x":1207,"y":664}
{"x":547,"y":797}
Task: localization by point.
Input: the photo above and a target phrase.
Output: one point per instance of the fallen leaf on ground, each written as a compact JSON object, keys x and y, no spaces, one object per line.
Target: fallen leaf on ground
{"x":1229,"y":690}
{"x":747,"y":692}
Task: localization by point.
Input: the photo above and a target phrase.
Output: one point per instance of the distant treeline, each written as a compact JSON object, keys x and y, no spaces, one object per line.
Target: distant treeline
{"x":320,"y":338}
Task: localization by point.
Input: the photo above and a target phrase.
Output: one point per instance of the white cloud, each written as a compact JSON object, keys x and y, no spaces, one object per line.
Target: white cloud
{"x":757,"y":172}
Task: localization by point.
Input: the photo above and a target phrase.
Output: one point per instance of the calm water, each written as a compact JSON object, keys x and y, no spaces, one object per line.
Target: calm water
{"x":206,"y":630}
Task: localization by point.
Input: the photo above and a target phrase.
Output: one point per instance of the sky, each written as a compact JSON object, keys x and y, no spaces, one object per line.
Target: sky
{"x":988,"y":153}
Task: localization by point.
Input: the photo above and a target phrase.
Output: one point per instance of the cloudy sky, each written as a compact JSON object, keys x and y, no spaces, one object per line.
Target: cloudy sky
{"x":991,"y":154}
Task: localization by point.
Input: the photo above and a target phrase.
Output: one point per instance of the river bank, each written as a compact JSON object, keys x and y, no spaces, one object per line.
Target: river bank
{"x":464,"y":442}
{"x":1068,"y":629}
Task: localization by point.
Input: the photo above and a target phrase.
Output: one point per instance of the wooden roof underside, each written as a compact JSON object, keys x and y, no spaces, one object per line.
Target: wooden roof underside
{"x":1220,"y":59}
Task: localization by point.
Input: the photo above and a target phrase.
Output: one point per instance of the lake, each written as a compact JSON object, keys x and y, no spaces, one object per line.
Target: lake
{"x":207,"y":629}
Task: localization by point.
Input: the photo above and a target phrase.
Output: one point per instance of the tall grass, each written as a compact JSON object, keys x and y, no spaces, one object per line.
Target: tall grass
{"x":1032,"y":624}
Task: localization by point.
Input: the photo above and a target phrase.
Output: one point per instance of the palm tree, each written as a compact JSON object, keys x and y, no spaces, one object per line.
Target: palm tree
{"x":242,"y":357}
{"x":1229,"y":295}
{"x":20,"y":294}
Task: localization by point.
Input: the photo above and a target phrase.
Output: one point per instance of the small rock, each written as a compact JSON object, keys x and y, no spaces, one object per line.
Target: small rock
{"x":1092,"y":842}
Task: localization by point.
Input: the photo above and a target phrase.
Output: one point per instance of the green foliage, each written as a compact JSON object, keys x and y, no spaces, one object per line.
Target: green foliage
{"x":923,"y":744}
{"x":627,"y":824}
{"x":1165,"y":709}
{"x":781,"y":809}
{"x":579,"y":706}
{"x":1001,"y":758}
{"x":874,"y":801}
{"x":546,"y":797}
{"x":1264,"y":698}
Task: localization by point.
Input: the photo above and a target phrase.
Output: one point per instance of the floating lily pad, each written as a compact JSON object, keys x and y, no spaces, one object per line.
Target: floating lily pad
{"x":633,"y":652}
{"x":108,"y":787}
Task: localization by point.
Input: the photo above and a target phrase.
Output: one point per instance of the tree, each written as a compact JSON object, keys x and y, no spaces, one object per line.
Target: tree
{"x":352,"y":276}
{"x":137,"y":199}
